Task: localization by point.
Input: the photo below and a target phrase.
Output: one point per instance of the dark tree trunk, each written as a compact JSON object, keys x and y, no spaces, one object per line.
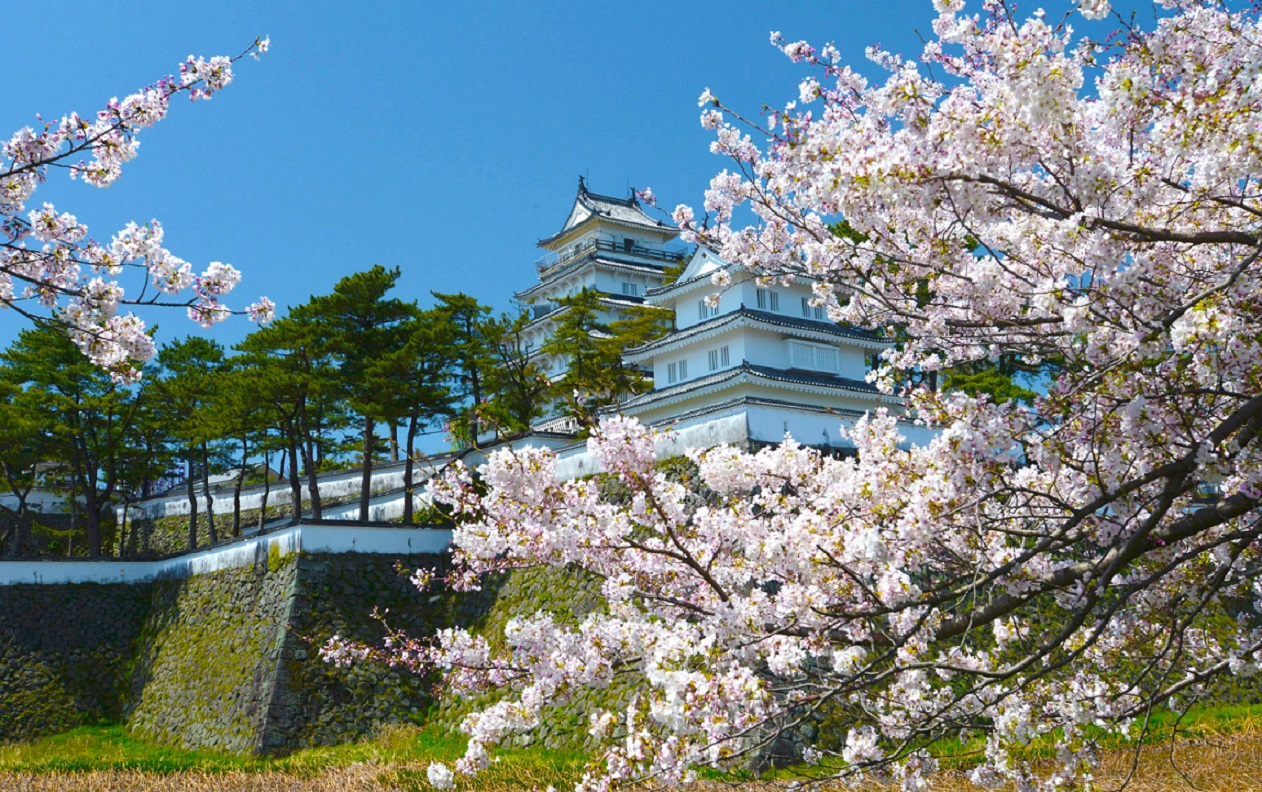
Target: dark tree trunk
{"x":267,"y":487}
{"x":313,"y":485}
{"x":365,"y":480}
{"x":192,"y":504}
{"x":92,"y":516}
{"x":210,"y":496}
{"x":309,"y":467}
{"x":22,"y":533}
{"x":10,"y":535}
{"x":14,"y":539}
{"x":236,"y":490}
{"x":295,"y":486}
{"x":409,"y":466}
{"x":313,"y":489}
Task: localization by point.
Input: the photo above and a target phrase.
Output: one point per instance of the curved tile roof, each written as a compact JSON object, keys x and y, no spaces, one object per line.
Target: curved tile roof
{"x":763,"y":317}
{"x":625,"y":211}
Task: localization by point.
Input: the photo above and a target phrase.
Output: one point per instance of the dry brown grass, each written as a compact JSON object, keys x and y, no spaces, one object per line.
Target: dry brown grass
{"x":356,"y":778}
{"x":1214,"y":764}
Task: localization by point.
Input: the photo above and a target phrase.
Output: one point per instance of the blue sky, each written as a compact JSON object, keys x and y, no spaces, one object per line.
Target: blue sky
{"x":442,"y":138}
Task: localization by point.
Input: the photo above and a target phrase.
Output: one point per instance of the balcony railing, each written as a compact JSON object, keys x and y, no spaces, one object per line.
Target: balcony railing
{"x":553,"y":261}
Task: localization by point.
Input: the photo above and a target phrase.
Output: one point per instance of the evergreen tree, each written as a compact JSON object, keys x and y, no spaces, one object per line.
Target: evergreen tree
{"x":596,"y":377}
{"x":25,"y":440}
{"x":189,"y":372}
{"x":471,"y":360}
{"x":236,"y":413}
{"x":518,"y":390}
{"x":90,"y":417}
{"x":361,"y":326}
{"x":293,"y":374}
{"x":415,"y":385}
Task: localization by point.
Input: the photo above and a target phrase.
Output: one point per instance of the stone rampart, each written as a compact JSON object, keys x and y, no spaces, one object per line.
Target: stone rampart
{"x":217,"y":649}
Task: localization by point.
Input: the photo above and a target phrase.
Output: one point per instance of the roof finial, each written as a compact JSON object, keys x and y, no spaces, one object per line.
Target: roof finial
{"x":582,"y":185}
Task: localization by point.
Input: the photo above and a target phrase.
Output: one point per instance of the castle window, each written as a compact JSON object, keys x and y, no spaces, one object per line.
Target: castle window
{"x":720,"y":358}
{"x":817,"y":311}
{"x":706,"y":311}
{"x":768,"y":300}
{"x":631,"y":289}
{"x":676,"y":372}
{"x":813,"y":357}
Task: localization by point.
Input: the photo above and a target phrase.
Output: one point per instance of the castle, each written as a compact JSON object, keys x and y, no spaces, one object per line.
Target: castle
{"x":747,"y":363}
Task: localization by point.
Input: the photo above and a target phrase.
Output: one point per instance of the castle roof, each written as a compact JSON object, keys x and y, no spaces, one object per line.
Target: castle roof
{"x":749,"y":373}
{"x":610,"y":262}
{"x":621,"y":211}
{"x":747,"y":317}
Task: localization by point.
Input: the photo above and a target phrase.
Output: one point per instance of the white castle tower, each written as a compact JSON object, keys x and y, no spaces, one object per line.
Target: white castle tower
{"x":749,"y":363}
{"x":606,"y":244}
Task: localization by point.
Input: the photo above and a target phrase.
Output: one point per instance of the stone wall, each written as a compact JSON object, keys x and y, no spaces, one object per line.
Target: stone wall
{"x":204,"y":674}
{"x":65,"y":654}
{"x":318,"y":704}
{"x":228,"y":660}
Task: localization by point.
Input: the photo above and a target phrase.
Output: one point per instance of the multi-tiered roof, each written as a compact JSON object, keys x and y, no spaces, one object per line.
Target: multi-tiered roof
{"x":765,"y":355}
{"x":606,"y":244}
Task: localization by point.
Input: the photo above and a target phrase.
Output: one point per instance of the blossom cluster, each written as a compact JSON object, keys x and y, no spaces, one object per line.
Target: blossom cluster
{"x":1087,"y":211}
{"x":47,"y":262}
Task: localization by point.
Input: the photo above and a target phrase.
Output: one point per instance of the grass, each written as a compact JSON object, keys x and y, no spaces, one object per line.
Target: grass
{"x":1200,"y":723}
{"x":396,"y":759}
{"x":1216,"y":748}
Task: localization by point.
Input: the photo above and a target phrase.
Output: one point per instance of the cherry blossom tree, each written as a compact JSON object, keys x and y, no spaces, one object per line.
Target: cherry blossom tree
{"x":1053,"y":571}
{"x":51,"y":271}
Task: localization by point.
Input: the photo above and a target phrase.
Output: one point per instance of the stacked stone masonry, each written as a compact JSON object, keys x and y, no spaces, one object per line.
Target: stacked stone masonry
{"x":228,"y":660}
{"x":225,"y":661}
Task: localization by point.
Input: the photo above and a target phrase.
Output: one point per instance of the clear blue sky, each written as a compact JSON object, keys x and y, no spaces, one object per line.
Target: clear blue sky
{"x":441,"y":137}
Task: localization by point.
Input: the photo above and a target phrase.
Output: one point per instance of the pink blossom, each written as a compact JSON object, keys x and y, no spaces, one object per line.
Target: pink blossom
{"x":1044,"y":571}
{"x":86,"y":301}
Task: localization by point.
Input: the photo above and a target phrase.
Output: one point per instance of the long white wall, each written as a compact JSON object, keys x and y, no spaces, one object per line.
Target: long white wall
{"x":40,"y":500}
{"x":332,"y":487}
{"x":295,"y":539}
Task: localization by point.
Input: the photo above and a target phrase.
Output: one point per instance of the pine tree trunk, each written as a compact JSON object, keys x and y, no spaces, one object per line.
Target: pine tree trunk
{"x":210,"y":496}
{"x":309,"y":467}
{"x":236,"y":492}
{"x":22,"y":533}
{"x":192,"y":504}
{"x":295,"y":486}
{"x":409,"y":467}
{"x":313,"y":485}
{"x":365,"y":480}
{"x":267,"y":487}
{"x":122,"y":530}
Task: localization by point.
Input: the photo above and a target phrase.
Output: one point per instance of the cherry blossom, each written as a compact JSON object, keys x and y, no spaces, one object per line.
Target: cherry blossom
{"x":51,"y":270}
{"x":1087,"y":207}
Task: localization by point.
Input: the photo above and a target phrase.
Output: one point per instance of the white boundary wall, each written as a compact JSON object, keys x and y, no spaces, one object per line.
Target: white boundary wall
{"x":332,"y":486}
{"x":295,"y":539}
